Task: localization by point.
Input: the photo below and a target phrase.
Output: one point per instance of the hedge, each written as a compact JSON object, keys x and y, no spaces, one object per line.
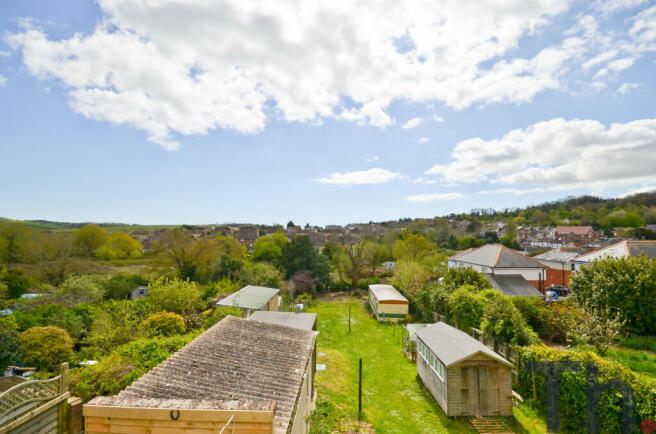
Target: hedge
{"x":572,"y":390}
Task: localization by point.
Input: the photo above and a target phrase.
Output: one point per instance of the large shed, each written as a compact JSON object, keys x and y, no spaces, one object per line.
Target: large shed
{"x":410,"y":339}
{"x":465,"y":377}
{"x":252,"y":298}
{"x":239,"y":375}
{"x":387,"y":303}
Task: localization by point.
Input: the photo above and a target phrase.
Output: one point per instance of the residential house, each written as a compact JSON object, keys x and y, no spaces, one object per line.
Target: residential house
{"x":247,"y":235}
{"x":252,"y":298}
{"x":498,"y":260}
{"x":576,"y":235}
{"x":465,"y":377}
{"x":387,"y":303}
{"x":559,"y":262}
{"x":239,"y":376}
{"x":623,"y":249}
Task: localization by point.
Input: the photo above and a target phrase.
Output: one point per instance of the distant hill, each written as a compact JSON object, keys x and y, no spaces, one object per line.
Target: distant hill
{"x":66,"y":226}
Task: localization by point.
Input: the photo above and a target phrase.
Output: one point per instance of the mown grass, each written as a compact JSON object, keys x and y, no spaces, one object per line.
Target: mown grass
{"x":643,"y":362}
{"x":394,"y":400}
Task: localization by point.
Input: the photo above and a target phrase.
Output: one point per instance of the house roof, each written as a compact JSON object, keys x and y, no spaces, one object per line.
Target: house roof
{"x":496,"y":256}
{"x":250,"y":297}
{"x":301,"y":320}
{"x":622,"y":249}
{"x":413,"y":328}
{"x":452,"y":346}
{"x":561,"y":254}
{"x":234,"y":360}
{"x":513,"y":285}
{"x":386,"y":293}
{"x":576,"y":230}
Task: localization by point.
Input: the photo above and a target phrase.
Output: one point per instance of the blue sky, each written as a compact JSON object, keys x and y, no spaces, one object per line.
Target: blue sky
{"x":157,"y":112}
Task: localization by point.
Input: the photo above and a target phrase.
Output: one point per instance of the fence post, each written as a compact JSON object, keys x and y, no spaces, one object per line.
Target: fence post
{"x":63,"y":405}
{"x":63,"y":378}
{"x":360,"y":392}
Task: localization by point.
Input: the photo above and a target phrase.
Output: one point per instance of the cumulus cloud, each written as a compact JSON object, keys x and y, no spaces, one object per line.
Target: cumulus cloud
{"x":646,"y":189}
{"x":558,"y":153}
{"x":412,"y":123}
{"x":422,"y":180}
{"x":424,"y":139}
{"x":433,"y":197}
{"x":3,"y":80}
{"x":609,"y":6}
{"x":170,"y":67}
{"x":371,"y":176}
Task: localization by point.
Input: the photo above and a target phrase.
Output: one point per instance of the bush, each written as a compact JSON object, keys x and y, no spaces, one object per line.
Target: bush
{"x":212,"y":316}
{"x":220,"y":287}
{"x":120,"y":246}
{"x":117,"y":322}
{"x":123,"y":365}
{"x":410,"y":276}
{"x":622,"y":286}
{"x":466,"y":308}
{"x":572,"y":396}
{"x":45,"y":347}
{"x":9,"y":344}
{"x":502,"y":320}
{"x":559,"y":320}
{"x":77,"y":290}
{"x":163,"y":324}
{"x":174,"y":295}
{"x":76,"y":320}
{"x":457,"y":277}
{"x":260,"y":274}
{"x":120,"y":286}
{"x":17,"y":284}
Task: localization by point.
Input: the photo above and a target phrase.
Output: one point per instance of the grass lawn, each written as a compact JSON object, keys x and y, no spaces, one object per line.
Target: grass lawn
{"x":636,"y":360}
{"x":394,"y":400}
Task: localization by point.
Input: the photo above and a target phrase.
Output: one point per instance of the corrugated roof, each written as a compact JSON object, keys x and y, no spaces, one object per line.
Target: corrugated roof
{"x":236,"y":359}
{"x":621,"y":250}
{"x":497,"y":256}
{"x":301,"y":320}
{"x":451,"y":345}
{"x":386,"y":292}
{"x":250,"y":297}
{"x":512,"y":285}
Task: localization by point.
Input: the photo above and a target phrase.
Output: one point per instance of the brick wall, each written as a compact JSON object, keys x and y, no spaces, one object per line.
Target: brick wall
{"x":557,"y":277}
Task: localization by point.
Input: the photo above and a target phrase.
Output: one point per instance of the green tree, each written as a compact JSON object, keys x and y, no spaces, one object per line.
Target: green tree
{"x":269,"y":248}
{"x":502,"y":320}
{"x":412,"y":247}
{"x":260,"y":274}
{"x":17,"y":284}
{"x":88,"y":239}
{"x":120,"y":245}
{"x":77,"y":290}
{"x":45,"y":347}
{"x":301,"y":255}
{"x":117,"y":322}
{"x":174,"y":295}
{"x":599,"y":328}
{"x":15,"y":238}
{"x":624,"y":286}
{"x":53,"y":253}
{"x":510,"y":242}
{"x":9,"y":344}
{"x":212,"y":316}
{"x":410,"y":276}
{"x":163,"y":324}
{"x":121,"y":285}
{"x":361,"y":260}
{"x":469,"y":241}
{"x":466,"y":307}
{"x":454,"y":278}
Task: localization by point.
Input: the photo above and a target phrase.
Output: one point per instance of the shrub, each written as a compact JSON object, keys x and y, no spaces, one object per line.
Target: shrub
{"x":120,"y":246}
{"x":572,"y":396}
{"x":120,"y":286}
{"x":457,"y":277}
{"x":260,"y":274}
{"x":117,"y":322}
{"x":533,"y":311}
{"x":45,"y":347}
{"x":174,"y":295}
{"x":466,"y":308}
{"x":501,"y":319}
{"x":76,"y":290}
{"x":622,"y":286}
{"x":211,"y":317}
{"x":163,"y":324}
{"x":559,"y":320}
{"x":9,"y":344}
{"x":600,"y":329}
{"x":410,"y":276}
{"x":17,"y":284}
{"x":76,"y":320}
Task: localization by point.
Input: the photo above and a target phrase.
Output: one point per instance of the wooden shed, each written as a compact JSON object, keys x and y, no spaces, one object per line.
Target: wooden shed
{"x":238,"y":376}
{"x":387,"y":303}
{"x":410,"y":339}
{"x":465,"y":377}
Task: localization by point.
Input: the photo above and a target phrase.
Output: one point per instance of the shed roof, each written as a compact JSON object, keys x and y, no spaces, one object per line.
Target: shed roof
{"x":413,"y":328}
{"x":250,"y":297}
{"x":301,"y":320}
{"x":236,"y":359}
{"x":576,"y":230}
{"x":622,"y":249}
{"x":561,"y":254}
{"x":496,"y":256}
{"x":513,"y":285}
{"x":452,"y":346}
{"x":386,"y":293}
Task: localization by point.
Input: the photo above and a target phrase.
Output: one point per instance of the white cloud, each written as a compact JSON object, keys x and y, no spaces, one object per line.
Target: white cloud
{"x":424,"y":139}
{"x":371,"y":176}
{"x":646,"y":189}
{"x":371,"y":159}
{"x":421,"y":180}
{"x":609,"y":6}
{"x":626,"y":88}
{"x":412,"y":123}
{"x":190,"y":67}
{"x":4,"y":53}
{"x":433,"y":197}
{"x":621,"y":64}
{"x":558,"y":153}
{"x":437,"y":118}
{"x":3,"y":80}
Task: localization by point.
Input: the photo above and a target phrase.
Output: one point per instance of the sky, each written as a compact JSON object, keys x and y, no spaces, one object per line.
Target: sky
{"x":322,"y":112}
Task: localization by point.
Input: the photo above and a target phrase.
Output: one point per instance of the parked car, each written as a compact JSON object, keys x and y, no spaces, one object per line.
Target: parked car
{"x":554,"y":292}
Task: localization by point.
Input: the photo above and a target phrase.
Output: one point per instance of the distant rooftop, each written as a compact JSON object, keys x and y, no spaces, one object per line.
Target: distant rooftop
{"x":562,"y":254}
{"x":301,"y":320}
{"x":496,"y":256}
{"x":622,"y":249}
{"x":386,"y":293}
{"x":512,"y":285}
{"x":576,"y":230}
{"x":452,"y":345}
{"x":250,"y":297}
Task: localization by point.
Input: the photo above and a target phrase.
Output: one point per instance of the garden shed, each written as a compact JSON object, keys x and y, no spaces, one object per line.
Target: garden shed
{"x":465,"y":377}
{"x":252,"y":298}
{"x":387,"y":303}
{"x":410,"y":339}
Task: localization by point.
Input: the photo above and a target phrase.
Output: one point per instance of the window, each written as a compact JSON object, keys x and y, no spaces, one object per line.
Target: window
{"x":432,"y":360}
